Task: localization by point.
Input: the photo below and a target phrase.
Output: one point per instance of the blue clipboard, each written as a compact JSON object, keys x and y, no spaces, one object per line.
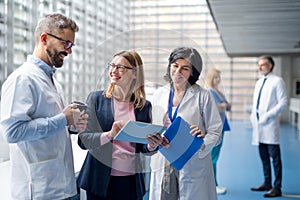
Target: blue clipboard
{"x":182,"y":144}
{"x":137,"y":132}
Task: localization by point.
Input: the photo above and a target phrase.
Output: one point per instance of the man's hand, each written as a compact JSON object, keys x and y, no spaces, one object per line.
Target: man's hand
{"x":72,"y":114}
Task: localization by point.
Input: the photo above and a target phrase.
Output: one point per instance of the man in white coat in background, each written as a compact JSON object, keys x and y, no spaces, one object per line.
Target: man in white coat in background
{"x":269,"y":101}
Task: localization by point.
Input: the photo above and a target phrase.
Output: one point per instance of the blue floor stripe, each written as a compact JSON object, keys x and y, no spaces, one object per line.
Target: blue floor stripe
{"x":239,"y":166}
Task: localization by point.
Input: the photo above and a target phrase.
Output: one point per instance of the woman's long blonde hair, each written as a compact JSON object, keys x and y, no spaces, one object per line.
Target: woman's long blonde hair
{"x":210,"y":77}
{"x":139,"y":96}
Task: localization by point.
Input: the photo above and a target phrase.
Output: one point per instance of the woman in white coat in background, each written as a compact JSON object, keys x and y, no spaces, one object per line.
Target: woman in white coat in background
{"x":183,"y":97}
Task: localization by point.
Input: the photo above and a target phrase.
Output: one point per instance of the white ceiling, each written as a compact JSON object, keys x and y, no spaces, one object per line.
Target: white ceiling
{"x":255,"y":27}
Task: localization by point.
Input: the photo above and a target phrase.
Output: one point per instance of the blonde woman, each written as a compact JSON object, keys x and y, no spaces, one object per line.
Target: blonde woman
{"x":213,"y":79}
{"x":113,"y":169}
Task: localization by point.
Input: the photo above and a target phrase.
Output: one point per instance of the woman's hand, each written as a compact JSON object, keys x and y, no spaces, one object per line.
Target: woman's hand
{"x":156,"y":140}
{"x":195,"y":131}
{"x":82,"y":123}
{"x":228,"y":107}
{"x":222,"y":107}
{"x":116,"y":127}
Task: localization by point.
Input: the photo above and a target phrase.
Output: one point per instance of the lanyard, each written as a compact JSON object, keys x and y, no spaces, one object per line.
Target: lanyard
{"x":172,"y":118}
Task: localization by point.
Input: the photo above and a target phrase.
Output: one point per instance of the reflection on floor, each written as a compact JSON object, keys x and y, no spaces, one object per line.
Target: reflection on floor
{"x":239,"y":166}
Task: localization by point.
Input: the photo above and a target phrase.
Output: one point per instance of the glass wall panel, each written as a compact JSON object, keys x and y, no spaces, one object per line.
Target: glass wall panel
{"x":152,"y":27}
{"x":164,"y":25}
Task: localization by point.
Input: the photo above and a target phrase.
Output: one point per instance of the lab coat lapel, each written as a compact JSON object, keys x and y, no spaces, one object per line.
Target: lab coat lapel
{"x":188,"y":95}
{"x":60,"y":100}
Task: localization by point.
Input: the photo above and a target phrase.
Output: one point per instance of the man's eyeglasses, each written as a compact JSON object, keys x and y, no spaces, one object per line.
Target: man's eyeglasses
{"x":120,"y":68}
{"x":67,"y":43}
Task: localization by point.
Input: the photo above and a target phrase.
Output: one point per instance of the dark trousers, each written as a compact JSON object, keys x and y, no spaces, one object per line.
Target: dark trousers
{"x":120,"y":188}
{"x":266,"y":151}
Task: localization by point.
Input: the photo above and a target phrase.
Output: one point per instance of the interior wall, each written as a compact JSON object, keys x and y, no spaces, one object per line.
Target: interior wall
{"x":288,"y":67}
{"x":295,"y":74}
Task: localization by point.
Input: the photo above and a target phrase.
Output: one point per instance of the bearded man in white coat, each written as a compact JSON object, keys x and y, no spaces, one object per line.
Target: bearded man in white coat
{"x":35,"y":119}
{"x":269,"y":101}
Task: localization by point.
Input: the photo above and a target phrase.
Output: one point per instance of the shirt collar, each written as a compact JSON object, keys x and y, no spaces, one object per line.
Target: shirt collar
{"x":269,"y":74}
{"x":41,"y":64}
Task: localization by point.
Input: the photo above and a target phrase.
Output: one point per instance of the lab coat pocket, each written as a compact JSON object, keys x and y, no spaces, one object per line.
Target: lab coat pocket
{"x":195,"y":167}
{"x":264,"y":119}
{"x":203,"y":153}
{"x":47,"y":178}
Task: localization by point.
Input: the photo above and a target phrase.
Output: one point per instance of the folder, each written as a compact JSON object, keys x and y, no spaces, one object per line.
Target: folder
{"x":182,"y":144}
{"x":137,"y":132}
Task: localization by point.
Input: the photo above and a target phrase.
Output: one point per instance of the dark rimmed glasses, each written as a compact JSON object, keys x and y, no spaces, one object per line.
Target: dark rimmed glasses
{"x":67,"y":43}
{"x":120,"y":68}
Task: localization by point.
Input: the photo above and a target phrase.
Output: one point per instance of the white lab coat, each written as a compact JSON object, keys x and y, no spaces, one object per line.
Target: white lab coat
{"x":42,"y":166}
{"x":273,"y":101}
{"x":196,"y":179}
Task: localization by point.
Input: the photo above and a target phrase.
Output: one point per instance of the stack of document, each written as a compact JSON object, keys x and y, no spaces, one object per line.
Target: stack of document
{"x":182,"y":144}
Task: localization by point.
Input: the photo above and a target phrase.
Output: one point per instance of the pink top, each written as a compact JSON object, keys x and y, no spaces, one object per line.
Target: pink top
{"x":123,"y":153}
